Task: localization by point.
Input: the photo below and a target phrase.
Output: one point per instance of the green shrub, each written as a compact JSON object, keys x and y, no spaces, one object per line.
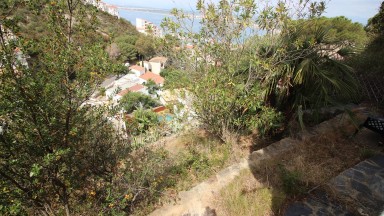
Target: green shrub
{"x":134,"y":100}
{"x":142,"y":121}
{"x":366,"y":153}
{"x":291,"y":181}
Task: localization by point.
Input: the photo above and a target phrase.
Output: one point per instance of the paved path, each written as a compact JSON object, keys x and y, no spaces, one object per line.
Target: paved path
{"x":362,"y":187}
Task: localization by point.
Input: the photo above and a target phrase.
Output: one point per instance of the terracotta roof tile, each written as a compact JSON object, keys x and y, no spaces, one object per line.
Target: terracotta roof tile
{"x":134,"y":88}
{"x":159,"y":59}
{"x":149,"y":75}
{"x":136,"y":67}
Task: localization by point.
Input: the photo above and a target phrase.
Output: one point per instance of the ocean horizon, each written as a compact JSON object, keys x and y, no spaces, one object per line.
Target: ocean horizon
{"x":154,"y":15}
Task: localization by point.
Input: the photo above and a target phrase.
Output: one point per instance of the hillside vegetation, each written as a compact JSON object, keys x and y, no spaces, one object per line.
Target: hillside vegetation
{"x":117,"y":36}
{"x":31,"y":17}
{"x":62,"y":156}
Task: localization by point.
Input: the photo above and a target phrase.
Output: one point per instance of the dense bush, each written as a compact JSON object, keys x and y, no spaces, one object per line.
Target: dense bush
{"x":135,"y":100}
{"x":141,"y":121}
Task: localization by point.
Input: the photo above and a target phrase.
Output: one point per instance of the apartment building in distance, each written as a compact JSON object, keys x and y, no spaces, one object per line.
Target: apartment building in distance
{"x":147,"y":27}
{"x":111,"y":9}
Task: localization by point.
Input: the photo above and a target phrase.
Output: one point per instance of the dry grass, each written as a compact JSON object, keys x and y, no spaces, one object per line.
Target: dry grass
{"x":247,"y":196}
{"x":316,"y":161}
{"x":263,"y":191}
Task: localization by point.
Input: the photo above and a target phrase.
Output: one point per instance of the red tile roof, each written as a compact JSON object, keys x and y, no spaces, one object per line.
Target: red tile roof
{"x":136,"y":67}
{"x":134,"y":88}
{"x":159,"y":109}
{"x":159,"y":59}
{"x":122,"y":93}
{"x":149,"y":75}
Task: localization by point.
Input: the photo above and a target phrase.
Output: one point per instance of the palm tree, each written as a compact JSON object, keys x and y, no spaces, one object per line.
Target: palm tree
{"x":306,"y":75}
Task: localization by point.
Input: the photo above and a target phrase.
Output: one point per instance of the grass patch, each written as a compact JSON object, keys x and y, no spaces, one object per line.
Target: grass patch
{"x":291,"y":181}
{"x":247,"y":196}
{"x":201,"y":156}
{"x":157,"y":174}
{"x":367,"y":153}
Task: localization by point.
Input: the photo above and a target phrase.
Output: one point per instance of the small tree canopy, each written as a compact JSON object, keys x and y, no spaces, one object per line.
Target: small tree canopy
{"x":126,"y":45}
{"x":340,"y":30}
{"x":142,"y":121}
{"x":376,"y":24}
{"x":145,"y":46}
{"x":135,"y":100}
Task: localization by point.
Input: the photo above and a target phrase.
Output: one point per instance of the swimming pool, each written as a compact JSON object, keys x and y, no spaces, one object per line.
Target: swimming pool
{"x":166,"y":118}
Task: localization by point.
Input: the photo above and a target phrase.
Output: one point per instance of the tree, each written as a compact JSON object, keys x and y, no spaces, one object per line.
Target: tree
{"x":126,"y":45}
{"x":369,"y":63}
{"x":376,"y":24}
{"x":340,"y":31}
{"x":145,"y":46}
{"x":135,"y":100}
{"x":225,"y":97}
{"x":308,"y":77}
{"x":55,"y":149}
{"x":152,"y":87}
{"x":174,"y":78}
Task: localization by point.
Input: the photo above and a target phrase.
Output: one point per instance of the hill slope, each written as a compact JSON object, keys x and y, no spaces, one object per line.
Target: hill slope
{"x":33,"y":21}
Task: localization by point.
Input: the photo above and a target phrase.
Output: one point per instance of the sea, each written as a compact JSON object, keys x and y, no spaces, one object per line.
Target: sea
{"x":154,"y":15}
{"x":155,"y":18}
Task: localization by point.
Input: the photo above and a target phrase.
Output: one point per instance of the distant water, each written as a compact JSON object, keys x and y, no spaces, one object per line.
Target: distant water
{"x":131,"y":16}
{"x":156,"y":16}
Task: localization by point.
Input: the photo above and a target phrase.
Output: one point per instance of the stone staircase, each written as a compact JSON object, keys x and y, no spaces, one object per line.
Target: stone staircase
{"x":361,"y":188}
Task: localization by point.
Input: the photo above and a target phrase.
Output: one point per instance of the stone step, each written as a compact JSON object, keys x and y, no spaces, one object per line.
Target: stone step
{"x":317,"y":204}
{"x":362,"y":186}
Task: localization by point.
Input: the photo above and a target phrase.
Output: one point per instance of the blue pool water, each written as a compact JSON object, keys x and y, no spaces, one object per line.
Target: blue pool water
{"x":166,"y":118}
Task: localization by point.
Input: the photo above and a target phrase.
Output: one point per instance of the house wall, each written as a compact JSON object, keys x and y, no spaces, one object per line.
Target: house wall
{"x":147,"y":66}
{"x":156,"y":67}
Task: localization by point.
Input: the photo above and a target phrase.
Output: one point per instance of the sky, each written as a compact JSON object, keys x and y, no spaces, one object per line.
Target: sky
{"x":356,"y":10}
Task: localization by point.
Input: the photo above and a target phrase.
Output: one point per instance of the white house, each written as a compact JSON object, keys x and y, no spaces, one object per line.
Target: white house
{"x":124,"y":82}
{"x":136,"y":88}
{"x":111,"y":9}
{"x":137,"y":70}
{"x":156,"y":64}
